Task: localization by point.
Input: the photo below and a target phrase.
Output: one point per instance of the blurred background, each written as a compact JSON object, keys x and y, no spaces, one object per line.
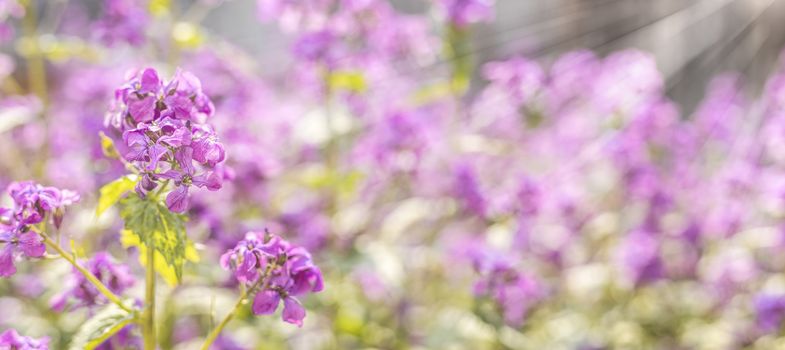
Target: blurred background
{"x":692,"y":40}
{"x":576,"y":194}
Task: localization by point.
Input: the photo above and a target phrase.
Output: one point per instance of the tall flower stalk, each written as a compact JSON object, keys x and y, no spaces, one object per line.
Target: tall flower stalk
{"x":162,"y":133}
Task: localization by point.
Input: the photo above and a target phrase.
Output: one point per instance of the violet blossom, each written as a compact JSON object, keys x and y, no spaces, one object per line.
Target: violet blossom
{"x":33,"y":203}
{"x":165,"y":136}
{"x":287,"y":272}
{"x":114,"y":276}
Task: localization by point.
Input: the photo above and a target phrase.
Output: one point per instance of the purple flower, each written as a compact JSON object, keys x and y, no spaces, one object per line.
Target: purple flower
{"x":11,"y":340}
{"x":249,"y":256}
{"x":177,"y":200}
{"x":309,"y":224}
{"x":7,"y":267}
{"x":149,"y":82}
{"x":464,"y":12}
{"x":517,"y":77}
{"x":288,"y":271}
{"x":145,"y":98}
{"x":513,"y":291}
{"x":32,"y":204}
{"x":293,"y":312}
{"x":293,"y":14}
{"x":141,"y":148}
{"x":314,"y":46}
{"x":8,"y":9}
{"x":124,"y":339}
{"x":207,"y":149}
{"x":640,"y":257}
{"x":770,"y":311}
{"x":184,"y":98}
{"x":123,"y":21}
{"x":114,"y":276}
{"x":398,"y":142}
{"x":266,"y":302}
{"x":164,"y":135}
{"x":34,"y":201}
{"x":529,"y":197}
{"x":223,"y":342}
{"x":467,"y":190}
{"x":18,"y":243}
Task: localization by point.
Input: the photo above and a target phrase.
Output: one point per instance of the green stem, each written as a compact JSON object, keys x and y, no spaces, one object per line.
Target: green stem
{"x":88,"y":275}
{"x":36,"y":77}
{"x":457,"y":45}
{"x":240,"y":302}
{"x":162,"y":189}
{"x":148,"y":327}
{"x":36,"y":67}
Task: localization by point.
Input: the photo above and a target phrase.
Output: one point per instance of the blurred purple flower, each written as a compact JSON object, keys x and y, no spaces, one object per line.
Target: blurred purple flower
{"x":639,"y":255}
{"x":122,"y":21}
{"x":11,"y":340}
{"x":770,"y":311}
{"x":514,"y":292}
{"x":114,"y":276}
{"x":464,"y":12}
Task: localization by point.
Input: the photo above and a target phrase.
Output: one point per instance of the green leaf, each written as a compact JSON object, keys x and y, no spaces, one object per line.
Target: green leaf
{"x":100,"y":327}
{"x":113,"y":191}
{"x":155,"y":226}
{"x":167,"y":272}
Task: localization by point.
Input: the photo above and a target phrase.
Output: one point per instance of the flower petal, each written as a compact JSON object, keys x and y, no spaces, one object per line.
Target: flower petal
{"x":32,"y":245}
{"x":266,"y":302}
{"x":293,"y":312}
{"x":7,"y":267}
{"x":150,"y":81}
{"x":177,"y":200}
{"x":142,"y":110}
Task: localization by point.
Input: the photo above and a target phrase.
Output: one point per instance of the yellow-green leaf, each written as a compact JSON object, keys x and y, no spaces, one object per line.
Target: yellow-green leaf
{"x":128,"y":239}
{"x":155,"y":227}
{"x":113,"y":191}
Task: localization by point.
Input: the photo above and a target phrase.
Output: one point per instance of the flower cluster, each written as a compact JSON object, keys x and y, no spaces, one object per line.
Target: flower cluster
{"x":513,"y":292}
{"x":770,"y":312}
{"x":640,"y":258}
{"x":32,"y":204}
{"x":165,"y":135}
{"x":114,"y":276}
{"x":12,"y":340}
{"x":280,"y":271}
{"x":123,"y":21}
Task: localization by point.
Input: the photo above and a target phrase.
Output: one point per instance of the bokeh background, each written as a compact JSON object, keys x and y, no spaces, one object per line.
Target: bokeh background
{"x":692,"y":41}
{"x":560,"y":174}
